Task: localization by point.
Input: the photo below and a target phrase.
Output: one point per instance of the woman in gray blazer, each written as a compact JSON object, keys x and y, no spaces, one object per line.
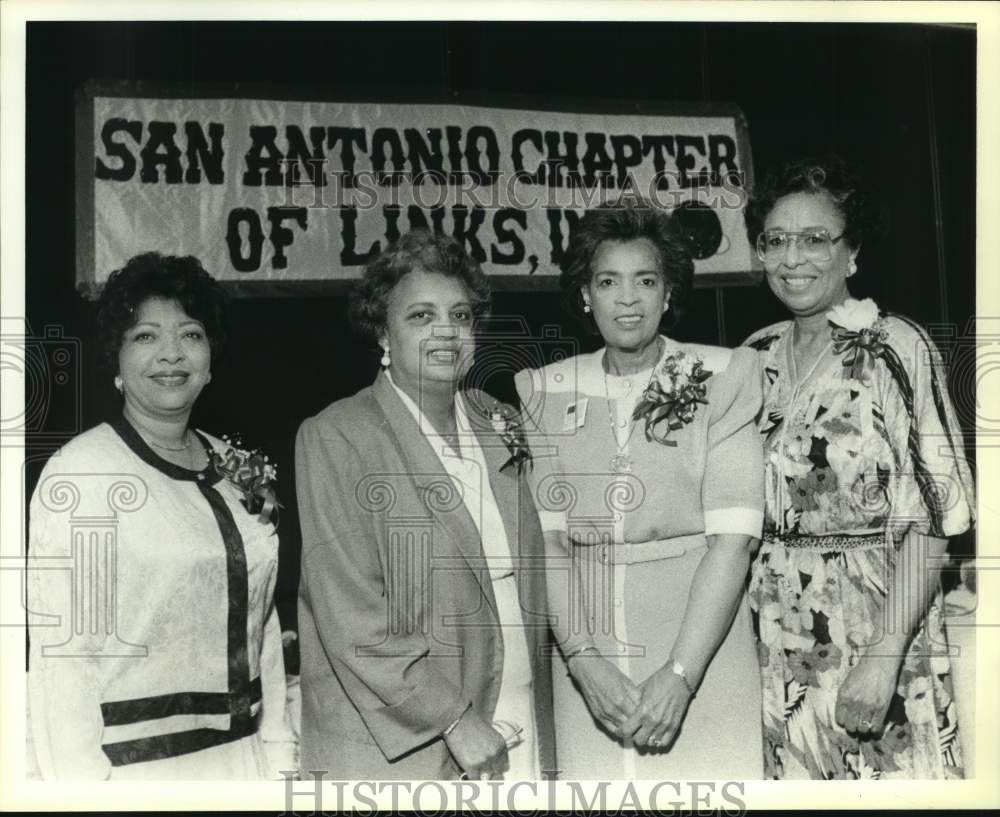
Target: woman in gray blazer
{"x":422,"y":601}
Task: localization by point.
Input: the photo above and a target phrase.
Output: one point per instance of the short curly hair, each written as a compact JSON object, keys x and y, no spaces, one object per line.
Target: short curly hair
{"x":840,"y":179}
{"x":417,"y":249}
{"x":629,"y":219}
{"x":151,"y":275}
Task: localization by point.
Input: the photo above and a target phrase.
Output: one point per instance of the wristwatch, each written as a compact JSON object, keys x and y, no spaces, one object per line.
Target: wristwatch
{"x":677,"y":668}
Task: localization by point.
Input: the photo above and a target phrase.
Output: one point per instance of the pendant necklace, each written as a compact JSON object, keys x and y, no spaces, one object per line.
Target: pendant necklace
{"x":621,"y":462}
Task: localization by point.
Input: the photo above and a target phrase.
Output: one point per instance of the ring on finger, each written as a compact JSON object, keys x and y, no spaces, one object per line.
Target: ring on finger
{"x":655,"y":742}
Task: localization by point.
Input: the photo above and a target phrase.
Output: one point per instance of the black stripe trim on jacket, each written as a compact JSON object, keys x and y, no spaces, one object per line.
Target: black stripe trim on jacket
{"x":137,"y":710}
{"x":159,"y":747}
{"x":238,"y":597}
{"x":239,"y":694}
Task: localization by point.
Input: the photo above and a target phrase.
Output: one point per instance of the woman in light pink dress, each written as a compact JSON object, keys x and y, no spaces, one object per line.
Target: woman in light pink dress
{"x":650,"y":522}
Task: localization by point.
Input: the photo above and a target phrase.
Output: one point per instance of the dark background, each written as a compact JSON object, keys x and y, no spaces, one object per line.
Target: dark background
{"x":899,"y":99}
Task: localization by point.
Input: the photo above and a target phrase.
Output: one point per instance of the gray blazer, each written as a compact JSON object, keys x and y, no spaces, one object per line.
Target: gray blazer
{"x":398,"y":627}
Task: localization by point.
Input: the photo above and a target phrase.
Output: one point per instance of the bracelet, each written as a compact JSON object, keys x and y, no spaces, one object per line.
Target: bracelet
{"x":677,"y":668}
{"x":451,"y":726}
{"x":581,"y":650}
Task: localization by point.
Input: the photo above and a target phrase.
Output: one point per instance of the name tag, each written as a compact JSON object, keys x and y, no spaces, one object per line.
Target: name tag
{"x":576,"y":415}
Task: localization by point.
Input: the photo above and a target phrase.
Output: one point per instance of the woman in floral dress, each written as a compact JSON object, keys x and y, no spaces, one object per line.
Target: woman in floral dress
{"x":865,"y":480}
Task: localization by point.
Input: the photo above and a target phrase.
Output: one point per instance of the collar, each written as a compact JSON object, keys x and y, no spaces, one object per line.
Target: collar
{"x":143,"y":451}
{"x":427,"y":428}
{"x":590,"y":376}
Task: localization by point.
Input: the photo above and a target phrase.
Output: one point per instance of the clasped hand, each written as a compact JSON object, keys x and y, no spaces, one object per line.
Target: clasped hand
{"x":865,"y":694}
{"x":478,"y":748}
{"x":650,"y":714}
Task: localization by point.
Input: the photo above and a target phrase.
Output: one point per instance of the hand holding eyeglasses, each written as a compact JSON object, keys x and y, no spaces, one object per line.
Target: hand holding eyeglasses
{"x":481,"y":749}
{"x":513,"y":735}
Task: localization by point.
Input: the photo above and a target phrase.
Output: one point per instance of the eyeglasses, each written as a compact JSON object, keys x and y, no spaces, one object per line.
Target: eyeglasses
{"x":815,"y":245}
{"x":511,"y":733}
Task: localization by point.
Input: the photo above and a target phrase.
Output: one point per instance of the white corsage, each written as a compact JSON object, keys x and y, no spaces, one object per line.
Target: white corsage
{"x":857,"y":331}
{"x":853,"y":315}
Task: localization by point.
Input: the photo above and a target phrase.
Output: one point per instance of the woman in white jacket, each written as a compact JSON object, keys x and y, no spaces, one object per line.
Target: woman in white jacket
{"x":155,"y":646}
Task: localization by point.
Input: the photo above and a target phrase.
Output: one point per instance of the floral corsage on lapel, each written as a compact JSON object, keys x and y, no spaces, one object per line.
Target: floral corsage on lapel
{"x":508,"y":428}
{"x":253,"y":475}
{"x":672,"y":396}
{"x":858,"y":331}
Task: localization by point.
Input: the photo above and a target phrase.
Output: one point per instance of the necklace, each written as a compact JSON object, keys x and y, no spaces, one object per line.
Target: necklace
{"x":621,"y":462}
{"x":815,"y":364}
{"x":184,"y":447}
{"x":797,"y":384}
{"x":175,"y":449}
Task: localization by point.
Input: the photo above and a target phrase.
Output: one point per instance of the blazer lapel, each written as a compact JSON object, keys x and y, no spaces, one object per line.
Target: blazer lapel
{"x":504,"y":484}
{"x":427,"y":472}
{"x":506,"y":490}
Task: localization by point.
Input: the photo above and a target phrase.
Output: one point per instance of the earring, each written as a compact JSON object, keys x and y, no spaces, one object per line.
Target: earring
{"x":852,"y":267}
{"x":386,"y":359}
{"x":666,"y":305}
{"x":586,"y":307}
{"x":118,"y":384}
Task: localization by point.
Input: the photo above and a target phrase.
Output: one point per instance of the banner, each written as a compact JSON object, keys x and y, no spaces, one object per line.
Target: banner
{"x":272,"y":191}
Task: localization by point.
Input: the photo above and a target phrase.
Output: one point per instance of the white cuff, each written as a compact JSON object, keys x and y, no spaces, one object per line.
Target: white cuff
{"x":282,"y":756}
{"x":742,"y":521}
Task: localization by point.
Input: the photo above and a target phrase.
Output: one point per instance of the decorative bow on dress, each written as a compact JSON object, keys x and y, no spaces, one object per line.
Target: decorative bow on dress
{"x":859,"y":333}
{"x":253,"y":475}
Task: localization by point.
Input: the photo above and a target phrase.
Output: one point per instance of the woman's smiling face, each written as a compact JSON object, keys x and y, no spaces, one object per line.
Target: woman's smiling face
{"x":627,"y":293}
{"x":429,"y":331}
{"x":809,"y":287}
{"x":164,"y":361}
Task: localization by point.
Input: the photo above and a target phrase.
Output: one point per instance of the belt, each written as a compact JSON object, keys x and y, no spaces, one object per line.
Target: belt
{"x":630,"y":553}
{"x":835,"y":542}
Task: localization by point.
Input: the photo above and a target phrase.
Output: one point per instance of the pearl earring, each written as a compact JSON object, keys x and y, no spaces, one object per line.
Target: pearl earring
{"x":586,"y":307}
{"x":386,"y":359}
{"x":118,"y":384}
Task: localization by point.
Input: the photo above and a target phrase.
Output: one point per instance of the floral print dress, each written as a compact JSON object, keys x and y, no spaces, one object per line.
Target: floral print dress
{"x":862,"y":455}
